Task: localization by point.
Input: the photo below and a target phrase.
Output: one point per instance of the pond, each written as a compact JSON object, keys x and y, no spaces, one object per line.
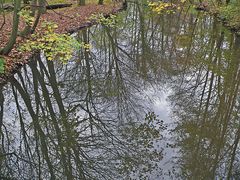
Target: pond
{"x":156,"y":97}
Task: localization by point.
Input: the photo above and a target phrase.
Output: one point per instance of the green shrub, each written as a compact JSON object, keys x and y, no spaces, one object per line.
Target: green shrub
{"x":54,"y":45}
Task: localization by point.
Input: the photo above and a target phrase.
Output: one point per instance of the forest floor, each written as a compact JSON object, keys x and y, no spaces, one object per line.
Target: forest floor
{"x":68,"y":19}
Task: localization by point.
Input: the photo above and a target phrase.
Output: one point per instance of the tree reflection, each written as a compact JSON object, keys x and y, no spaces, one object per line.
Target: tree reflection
{"x":206,"y":105}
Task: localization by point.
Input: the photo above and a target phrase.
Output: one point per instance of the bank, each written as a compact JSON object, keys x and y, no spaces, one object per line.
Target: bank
{"x":228,"y":14}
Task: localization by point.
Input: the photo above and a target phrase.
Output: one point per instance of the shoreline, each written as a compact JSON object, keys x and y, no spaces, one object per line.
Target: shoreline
{"x":214,"y":12}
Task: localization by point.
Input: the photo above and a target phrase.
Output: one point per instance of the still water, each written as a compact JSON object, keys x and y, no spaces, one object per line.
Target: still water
{"x":156,"y":97}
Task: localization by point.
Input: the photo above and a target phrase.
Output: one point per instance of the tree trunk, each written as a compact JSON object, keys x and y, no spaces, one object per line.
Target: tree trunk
{"x":41,"y":11}
{"x":100,"y":2}
{"x":81,"y":2}
{"x":13,"y":37}
{"x":42,"y":4}
{"x":28,"y":29}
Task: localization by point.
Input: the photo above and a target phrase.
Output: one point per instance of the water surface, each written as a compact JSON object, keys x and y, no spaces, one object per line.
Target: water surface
{"x":156,"y":97}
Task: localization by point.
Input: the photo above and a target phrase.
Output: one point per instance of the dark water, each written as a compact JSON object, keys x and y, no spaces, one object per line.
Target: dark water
{"x":157,"y":97}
